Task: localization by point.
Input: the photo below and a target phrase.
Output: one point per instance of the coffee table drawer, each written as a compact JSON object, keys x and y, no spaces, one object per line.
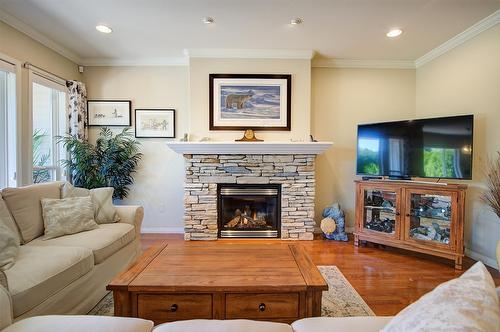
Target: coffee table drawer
{"x":256,"y":306}
{"x":162,"y":308}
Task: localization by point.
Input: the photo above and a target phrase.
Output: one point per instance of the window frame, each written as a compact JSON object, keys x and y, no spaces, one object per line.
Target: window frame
{"x":13,"y":118}
{"x":54,"y":83}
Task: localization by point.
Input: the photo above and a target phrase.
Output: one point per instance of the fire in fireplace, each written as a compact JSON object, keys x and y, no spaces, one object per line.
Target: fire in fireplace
{"x":249,"y":210}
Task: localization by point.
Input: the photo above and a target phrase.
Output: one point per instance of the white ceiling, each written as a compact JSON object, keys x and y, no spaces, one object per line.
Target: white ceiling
{"x":153,"y":29}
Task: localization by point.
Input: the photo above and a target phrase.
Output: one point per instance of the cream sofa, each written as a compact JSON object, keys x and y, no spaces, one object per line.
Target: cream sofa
{"x":65,"y":275}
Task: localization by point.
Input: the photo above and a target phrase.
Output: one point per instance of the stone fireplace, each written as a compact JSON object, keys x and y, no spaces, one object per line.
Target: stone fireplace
{"x":249,"y":189}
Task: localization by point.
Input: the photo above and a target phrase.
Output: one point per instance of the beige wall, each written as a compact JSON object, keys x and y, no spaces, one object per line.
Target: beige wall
{"x":341,"y":99}
{"x":466,"y":80}
{"x":160,"y":178}
{"x":200,"y":68}
{"x":22,"y":48}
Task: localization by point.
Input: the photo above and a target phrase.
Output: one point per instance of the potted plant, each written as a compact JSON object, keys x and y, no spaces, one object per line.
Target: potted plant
{"x":109,"y":163}
{"x":492,"y":195}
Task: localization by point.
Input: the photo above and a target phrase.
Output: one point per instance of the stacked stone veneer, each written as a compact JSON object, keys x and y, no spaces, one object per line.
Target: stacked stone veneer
{"x":295,"y":173}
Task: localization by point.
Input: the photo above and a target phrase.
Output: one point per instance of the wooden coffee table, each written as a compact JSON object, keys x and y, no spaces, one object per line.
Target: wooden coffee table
{"x":217,"y":280}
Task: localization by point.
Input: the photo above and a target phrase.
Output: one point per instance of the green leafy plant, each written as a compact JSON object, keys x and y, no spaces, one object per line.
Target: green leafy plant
{"x":109,"y":163}
{"x":40,"y":159}
{"x":491,"y":196}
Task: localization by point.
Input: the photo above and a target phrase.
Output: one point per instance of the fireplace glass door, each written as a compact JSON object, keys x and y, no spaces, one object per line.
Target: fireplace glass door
{"x":249,"y":210}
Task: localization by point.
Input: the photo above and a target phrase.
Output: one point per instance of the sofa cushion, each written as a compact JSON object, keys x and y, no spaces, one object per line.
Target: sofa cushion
{"x":40,"y":272}
{"x":67,"y":216}
{"x":9,"y":247}
{"x":351,"y":324}
{"x":104,"y":241}
{"x":24,"y":205}
{"x":240,"y":325}
{"x":80,"y":324}
{"x":467,"y":303}
{"x":6,"y":218}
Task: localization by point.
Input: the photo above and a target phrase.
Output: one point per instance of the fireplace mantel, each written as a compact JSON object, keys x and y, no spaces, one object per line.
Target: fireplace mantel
{"x":274,"y":148}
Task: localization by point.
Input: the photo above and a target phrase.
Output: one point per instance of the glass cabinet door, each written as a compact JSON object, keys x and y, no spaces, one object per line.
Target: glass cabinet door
{"x":380,"y":211}
{"x":429,"y":218}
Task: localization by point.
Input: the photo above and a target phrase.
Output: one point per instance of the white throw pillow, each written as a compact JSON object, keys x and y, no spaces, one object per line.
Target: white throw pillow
{"x":9,"y":247}
{"x":468,"y":303}
{"x":67,"y":216}
{"x":104,"y":210}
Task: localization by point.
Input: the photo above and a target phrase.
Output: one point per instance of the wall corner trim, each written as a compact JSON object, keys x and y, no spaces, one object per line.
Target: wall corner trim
{"x":38,"y":36}
{"x":469,"y":33}
{"x":249,"y":53}
{"x":118,"y":62}
{"x":366,"y":64}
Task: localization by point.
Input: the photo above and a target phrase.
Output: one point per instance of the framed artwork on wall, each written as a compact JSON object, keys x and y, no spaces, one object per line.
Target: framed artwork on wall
{"x":151,"y":123}
{"x":250,"y":101}
{"x":109,"y":113}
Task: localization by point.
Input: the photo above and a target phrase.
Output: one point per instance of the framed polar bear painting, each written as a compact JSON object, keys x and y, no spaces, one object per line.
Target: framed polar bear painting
{"x":250,"y":101}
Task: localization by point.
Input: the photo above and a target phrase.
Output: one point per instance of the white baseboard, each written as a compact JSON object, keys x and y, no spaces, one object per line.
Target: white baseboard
{"x":163,"y":230}
{"x":479,"y":257}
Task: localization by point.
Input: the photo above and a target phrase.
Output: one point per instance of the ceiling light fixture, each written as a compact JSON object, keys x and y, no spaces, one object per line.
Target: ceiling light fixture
{"x":103,"y":28}
{"x":208,"y":20}
{"x":394,"y":33}
{"x":296,"y":21}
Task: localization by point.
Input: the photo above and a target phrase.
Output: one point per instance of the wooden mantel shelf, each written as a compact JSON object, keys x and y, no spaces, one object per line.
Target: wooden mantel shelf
{"x":249,"y":147}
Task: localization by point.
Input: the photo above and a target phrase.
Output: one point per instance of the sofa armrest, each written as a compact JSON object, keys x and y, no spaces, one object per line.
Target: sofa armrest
{"x":5,"y":308}
{"x":131,"y":214}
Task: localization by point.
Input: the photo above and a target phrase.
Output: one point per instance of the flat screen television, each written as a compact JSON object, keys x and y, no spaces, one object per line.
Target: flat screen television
{"x":425,"y":148}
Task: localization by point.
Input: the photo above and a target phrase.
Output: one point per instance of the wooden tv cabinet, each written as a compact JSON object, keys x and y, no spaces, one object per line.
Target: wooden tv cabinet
{"x":417,"y":216}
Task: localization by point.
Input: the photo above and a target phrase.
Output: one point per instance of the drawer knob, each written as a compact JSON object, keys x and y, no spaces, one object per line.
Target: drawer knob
{"x":262,"y":307}
{"x":174,"y":308}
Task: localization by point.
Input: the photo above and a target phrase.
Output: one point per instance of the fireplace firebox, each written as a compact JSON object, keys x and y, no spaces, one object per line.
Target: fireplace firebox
{"x":249,"y":210}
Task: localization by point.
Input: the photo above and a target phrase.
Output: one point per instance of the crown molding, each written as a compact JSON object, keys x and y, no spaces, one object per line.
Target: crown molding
{"x":249,"y":53}
{"x":164,"y":61}
{"x":365,"y":64}
{"x":459,"y":39}
{"x":39,"y":37}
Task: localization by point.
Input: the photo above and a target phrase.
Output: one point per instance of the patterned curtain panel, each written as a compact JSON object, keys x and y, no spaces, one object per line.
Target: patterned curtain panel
{"x":77,"y":115}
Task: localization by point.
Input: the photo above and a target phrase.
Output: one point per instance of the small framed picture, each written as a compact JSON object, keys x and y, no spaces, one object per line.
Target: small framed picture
{"x":151,"y":123}
{"x":109,"y":113}
{"x":250,"y":101}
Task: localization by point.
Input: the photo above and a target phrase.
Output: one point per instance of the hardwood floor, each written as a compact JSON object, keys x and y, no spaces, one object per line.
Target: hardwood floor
{"x":388,"y":279}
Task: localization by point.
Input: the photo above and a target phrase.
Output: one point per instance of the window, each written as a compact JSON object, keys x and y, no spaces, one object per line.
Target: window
{"x":7,"y":124}
{"x":48,"y":122}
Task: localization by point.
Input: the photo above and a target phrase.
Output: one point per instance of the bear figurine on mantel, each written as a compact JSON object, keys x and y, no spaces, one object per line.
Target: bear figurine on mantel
{"x":333,"y":224}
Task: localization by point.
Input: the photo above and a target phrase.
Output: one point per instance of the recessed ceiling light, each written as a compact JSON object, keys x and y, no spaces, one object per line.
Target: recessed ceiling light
{"x":208,"y":20}
{"x":103,"y":28}
{"x":296,"y":21}
{"x":394,"y":33}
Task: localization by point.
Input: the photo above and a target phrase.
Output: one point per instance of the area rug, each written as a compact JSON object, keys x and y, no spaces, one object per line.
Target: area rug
{"x":341,"y":299}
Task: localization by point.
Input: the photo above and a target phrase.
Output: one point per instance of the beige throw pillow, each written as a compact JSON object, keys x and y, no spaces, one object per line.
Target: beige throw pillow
{"x":67,"y":216}
{"x":9,"y":247}
{"x":104,"y":210}
{"x":24,"y":206}
{"x":468,"y":303}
